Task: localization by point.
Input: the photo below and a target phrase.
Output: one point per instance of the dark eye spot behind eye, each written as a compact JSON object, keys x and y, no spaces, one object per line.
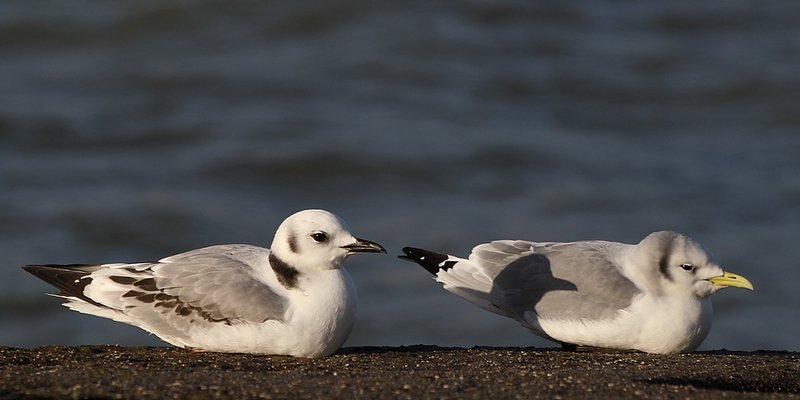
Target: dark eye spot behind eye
{"x":687,"y":267}
{"x":319,"y":237}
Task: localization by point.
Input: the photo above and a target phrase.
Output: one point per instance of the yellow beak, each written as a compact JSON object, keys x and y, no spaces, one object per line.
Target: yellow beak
{"x":731,"y":279}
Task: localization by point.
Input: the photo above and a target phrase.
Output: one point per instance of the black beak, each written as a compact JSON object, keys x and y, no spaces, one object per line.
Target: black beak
{"x":364,"y":246}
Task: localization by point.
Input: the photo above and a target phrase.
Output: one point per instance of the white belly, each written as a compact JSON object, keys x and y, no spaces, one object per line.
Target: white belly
{"x":651,"y":324}
{"x":317,"y":323}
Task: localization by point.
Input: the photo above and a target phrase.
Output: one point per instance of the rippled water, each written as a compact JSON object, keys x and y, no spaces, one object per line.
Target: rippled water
{"x":131,"y":131}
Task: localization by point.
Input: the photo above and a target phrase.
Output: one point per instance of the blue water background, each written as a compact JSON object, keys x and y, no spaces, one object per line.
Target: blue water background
{"x":134,"y":130}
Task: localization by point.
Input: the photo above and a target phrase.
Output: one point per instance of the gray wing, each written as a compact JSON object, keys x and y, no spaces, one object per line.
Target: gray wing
{"x":217,"y":283}
{"x":556,"y":280}
{"x":205,"y":286}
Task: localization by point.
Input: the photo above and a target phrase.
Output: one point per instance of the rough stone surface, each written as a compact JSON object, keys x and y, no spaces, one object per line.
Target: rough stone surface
{"x":414,"y":372}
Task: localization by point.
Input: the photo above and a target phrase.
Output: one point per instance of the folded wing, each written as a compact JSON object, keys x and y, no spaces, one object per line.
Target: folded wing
{"x":555,"y":280}
{"x":212,"y":285}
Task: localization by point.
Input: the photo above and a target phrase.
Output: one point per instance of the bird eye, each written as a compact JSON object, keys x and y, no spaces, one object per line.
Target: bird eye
{"x":687,"y":267}
{"x":319,"y":237}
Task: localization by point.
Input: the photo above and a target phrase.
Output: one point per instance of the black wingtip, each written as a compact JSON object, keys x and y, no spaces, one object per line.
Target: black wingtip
{"x":70,"y":279}
{"x":430,"y":260}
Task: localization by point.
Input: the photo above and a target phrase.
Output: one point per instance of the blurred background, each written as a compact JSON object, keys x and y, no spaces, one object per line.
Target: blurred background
{"x":130,"y":131}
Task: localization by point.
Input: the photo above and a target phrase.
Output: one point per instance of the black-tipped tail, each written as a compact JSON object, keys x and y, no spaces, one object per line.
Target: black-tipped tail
{"x":430,"y":260}
{"x":70,"y":280}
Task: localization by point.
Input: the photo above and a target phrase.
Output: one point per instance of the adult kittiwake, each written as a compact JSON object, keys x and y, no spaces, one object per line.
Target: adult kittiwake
{"x":652,"y":296}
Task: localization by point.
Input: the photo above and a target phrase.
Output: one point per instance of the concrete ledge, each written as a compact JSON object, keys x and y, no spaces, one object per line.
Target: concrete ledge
{"x":414,"y":372}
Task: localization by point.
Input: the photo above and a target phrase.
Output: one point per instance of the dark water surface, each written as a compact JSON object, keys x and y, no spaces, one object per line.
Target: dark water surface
{"x":131,"y":131}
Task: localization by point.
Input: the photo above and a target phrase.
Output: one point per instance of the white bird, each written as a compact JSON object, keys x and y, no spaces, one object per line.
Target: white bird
{"x":652,"y":296}
{"x":293,"y":299}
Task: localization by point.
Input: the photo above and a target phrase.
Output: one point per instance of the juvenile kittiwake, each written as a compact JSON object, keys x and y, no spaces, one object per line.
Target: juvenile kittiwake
{"x":652,"y":296}
{"x":292,"y":299}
